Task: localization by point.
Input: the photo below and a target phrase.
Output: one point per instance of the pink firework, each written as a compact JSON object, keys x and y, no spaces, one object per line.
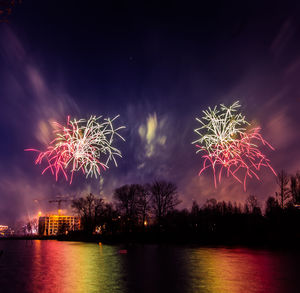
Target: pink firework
{"x":81,"y":145}
{"x":241,"y":157}
{"x":227,"y":146}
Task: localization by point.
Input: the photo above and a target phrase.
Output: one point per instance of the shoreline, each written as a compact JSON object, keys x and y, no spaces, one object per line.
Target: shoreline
{"x":129,"y":240}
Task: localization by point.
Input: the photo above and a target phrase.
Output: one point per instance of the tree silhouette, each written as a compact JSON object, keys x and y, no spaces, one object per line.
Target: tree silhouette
{"x":164,"y":199}
{"x":252,"y":204}
{"x":195,"y":215}
{"x":284,"y":195}
{"x":195,"y":209}
{"x":210,"y":204}
{"x":272,"y":206}
{"x":295,"y":188}
{"x":90,"y":210}
{"x":144,"y":204}
{"x":126,"y":199}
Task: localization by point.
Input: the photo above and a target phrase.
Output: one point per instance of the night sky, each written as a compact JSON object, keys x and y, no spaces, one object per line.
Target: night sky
{"x":158,"y":66}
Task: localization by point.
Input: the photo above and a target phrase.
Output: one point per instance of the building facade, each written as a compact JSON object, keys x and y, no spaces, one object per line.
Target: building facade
{"x":5,"y":231}
{"x":58,"y":224}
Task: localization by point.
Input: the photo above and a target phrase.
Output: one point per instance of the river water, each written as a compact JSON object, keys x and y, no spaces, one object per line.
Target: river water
{"x":54,"y":266}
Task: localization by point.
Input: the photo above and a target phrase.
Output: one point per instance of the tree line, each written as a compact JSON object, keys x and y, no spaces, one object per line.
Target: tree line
{"x":151,"y":209}
{"x":134,"y":207}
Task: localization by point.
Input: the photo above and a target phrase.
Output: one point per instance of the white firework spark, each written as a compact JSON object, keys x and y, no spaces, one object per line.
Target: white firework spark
{"x":228,"y":145}
{"x":220,"y":127}
{"x":85,"y":145}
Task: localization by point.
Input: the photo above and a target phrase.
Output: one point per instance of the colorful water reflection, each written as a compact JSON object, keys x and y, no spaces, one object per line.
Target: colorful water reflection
{"x":239,"y":270}
{"x":53,"y":266}
{"x":75,"y":267}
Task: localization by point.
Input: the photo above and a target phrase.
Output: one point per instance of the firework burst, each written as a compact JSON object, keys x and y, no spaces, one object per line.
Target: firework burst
{"x":229,"y":146}
{"x":81,"y":145}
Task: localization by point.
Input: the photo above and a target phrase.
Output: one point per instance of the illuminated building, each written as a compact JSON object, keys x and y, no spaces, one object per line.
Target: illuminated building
{"x":3,"y":228}
{"x":5,"y":231}
{"x":58,"y":224}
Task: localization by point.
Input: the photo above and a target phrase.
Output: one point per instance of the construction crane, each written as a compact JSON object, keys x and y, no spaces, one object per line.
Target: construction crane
{"x":59,"y":201}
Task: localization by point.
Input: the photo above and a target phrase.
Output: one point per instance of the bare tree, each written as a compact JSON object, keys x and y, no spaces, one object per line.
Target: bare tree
{"x":272,"y":206}
{"x":164,"y":198}
{"x":195,"y":209}
{"x":237,"y":208}
{"x":210,"y":204}
{"x":143,"y":204}
{"x":295,"y":188}
{"x":90,"y":209}
{"x":195,"y":214}
{"x":284,"y":194}
{"x":252,"y":204}
{"x":110,"y":219}
{"x":126,"y":198}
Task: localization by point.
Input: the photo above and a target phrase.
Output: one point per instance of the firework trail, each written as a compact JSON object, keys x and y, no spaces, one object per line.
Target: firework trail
{"x":228,"y":146}
{"x":81,"y":145}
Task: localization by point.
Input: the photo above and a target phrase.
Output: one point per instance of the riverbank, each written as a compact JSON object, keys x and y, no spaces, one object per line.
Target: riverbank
{"x":268,"y":241}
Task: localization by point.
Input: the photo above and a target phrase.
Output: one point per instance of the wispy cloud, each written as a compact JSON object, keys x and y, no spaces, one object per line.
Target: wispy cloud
{"x":36,"y":99}
{"x":152,"y":134}
{"x":284,"y":35}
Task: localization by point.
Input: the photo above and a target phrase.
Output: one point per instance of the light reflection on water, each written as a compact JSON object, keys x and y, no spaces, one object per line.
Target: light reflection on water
{"x":242,"y":270}
{"x":53,"y":266}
